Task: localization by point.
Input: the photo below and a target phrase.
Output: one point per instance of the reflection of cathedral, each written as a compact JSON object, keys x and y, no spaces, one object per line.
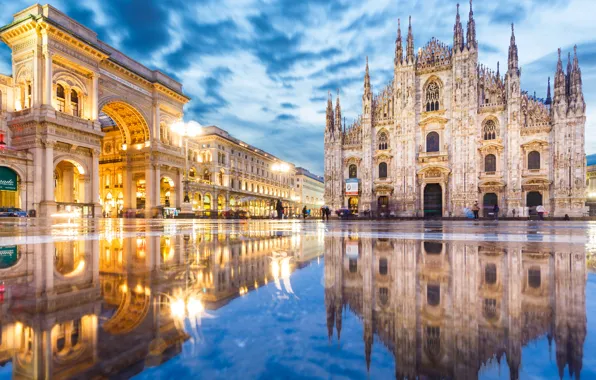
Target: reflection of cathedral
{"x":91,"y":308}
{"x":446,"y":309}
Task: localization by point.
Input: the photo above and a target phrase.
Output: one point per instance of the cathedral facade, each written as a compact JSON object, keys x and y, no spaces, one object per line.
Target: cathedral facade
{"x":448,"y":132}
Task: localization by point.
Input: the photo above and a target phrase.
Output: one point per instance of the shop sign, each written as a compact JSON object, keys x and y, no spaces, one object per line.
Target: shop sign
{"x":9,"y":255}
{"x":352,"y":186}
{"x":8,"y":179}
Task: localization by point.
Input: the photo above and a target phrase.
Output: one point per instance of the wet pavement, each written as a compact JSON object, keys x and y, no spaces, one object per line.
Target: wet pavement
{"x":292,"y":299}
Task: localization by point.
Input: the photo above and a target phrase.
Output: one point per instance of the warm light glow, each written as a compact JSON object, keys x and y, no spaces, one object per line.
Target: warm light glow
{"x":139,"y":146}
{"x":124,"y":147}
{"x":147,"y":143}
{"x":194,"y":307}
{"x":139,"y":289}
{"x":280,"y":167}
{"x":188,"y":129}
{"x":177,"y":308}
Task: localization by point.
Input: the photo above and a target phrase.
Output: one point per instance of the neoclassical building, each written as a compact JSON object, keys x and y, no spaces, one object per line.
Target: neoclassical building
{"x":447,"y":132}
{"x":84,"y":128}
{"x":453,"y":309}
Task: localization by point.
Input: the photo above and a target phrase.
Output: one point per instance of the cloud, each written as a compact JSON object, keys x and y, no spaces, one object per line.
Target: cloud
{"x":288,"y":106}
{"x":285,"y":117}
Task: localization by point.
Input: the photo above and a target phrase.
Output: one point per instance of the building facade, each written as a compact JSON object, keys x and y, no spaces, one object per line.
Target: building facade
{"x":86,"y":129}
{"x":228,"y":174}
{"x":309,"y":190}
{"x":448,"y":132}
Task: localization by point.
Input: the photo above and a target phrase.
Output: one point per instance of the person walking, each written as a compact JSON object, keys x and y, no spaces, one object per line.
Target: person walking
{"x":496,"y":211}
{"x":327,"y":212}
{"x":280,"y":209}
{"x":540,"y":210}
{"x":475,"y":209}
{"x":304,"y":212}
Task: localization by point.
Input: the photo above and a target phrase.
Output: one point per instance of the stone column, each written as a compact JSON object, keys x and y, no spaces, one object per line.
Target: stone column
{"x":47,"y":100}
{"x":128,"y":188}
{"x":179,"y":188}
{"x":156,"y":116}
{"x":95,"y":182}
{"x":149,"y":188}
{"x":48,"y":203}
{"x":157,"y":185}
{"x":95,"y":97}
{"x":36,"y":85}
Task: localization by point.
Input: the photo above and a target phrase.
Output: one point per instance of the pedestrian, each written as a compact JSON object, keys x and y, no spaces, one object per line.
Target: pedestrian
{"x":280,"y":209}
{"x":496,"y":211}
{"x":476,"y":209}
{"x":327,"y":212}
{"x":304,"y":212}
{"x":540,"y":210}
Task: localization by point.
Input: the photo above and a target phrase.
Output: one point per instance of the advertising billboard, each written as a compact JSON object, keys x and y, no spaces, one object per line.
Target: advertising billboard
{"x":352,"y":186}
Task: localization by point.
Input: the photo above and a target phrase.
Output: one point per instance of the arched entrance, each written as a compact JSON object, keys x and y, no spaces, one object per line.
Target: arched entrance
{"x":533,"y":199}
{"x":433,"y":200}
{"x":126,"y":135}
{"x":72,"y":188}
{"x":9,"y":188}
{"x":353,"y":204}
{"x":488,"y":203}
{"x":383,"y":204}
{"x":207,"y":205}
{"x":166,"y":192}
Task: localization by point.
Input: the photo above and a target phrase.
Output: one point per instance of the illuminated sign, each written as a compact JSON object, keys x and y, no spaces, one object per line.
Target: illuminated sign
{"x":352,"y":186}
{"x":9,"y":255}
{"x":8,"y":179}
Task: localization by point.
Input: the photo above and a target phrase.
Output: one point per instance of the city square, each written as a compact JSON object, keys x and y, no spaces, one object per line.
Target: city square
{"x":169,"y":209}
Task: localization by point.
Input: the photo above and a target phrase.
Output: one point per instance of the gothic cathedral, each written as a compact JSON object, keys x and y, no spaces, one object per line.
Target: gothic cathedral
{"x":448,"y":132}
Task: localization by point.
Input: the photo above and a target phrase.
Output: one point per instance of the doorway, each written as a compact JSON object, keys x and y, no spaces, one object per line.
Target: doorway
{"x":488,"y":203}
{"x":433,"y":200}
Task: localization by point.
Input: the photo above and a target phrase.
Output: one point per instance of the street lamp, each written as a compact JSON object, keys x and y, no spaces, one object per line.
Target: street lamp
{"x":186,"y":130}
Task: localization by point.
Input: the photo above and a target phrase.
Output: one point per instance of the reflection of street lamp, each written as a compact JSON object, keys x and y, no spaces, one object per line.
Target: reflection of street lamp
{"x":186,"y":130}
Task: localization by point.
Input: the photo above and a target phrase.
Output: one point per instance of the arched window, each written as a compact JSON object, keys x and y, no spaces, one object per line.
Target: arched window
{"x":489,"y":131}
{"x":383,"y":295}
{"x":490,"y":274}
{"x":383,"y":141}
{"x":192,"y":173}
{"x":74,"y":103}
{"x":60,"y":98}
{"x":432,"y":97}
{"x":163,"y":133}
{"x":353,"y":171}
{"x":383,"y":266}
{"x":533,"y":160}
{"x":534,"y":279}
{"x":433,"y":294}
{"x":383,"y":170}
{"x":432,"y":142}
{"x":206,"y":175}
{"x":490,"y":163}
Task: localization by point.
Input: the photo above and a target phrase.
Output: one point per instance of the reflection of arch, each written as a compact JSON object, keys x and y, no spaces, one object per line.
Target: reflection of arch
{"x":131,"y":312}
{"x":130,"y":121}
{"x":69,"y":258}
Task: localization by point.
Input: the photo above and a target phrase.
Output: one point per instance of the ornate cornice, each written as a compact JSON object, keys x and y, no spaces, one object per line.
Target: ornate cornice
{"x":433,"y":117}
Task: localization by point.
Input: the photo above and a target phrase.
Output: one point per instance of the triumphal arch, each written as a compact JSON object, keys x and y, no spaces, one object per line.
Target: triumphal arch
{"x":83,"y":125}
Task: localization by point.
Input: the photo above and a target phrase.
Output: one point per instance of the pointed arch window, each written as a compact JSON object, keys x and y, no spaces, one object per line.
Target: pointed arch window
{"x":383,"y":170}
{"x":432,"y":142}
{"x":490,"y":163}
{"x":383,"y":141}
{"x":74,"y":103}
{"x":534,"y":160}
{"x":432,"y":97}
{"x":489,"y":131}
{"x":353,"y":171}
{"x":60,"y":98}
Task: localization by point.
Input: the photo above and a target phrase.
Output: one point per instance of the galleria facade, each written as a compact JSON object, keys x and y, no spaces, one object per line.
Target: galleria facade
{"x":86,"y":129}
{"x":448,"y":132}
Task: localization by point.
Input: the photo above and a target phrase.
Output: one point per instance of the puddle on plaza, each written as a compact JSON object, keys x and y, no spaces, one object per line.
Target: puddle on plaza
{"x":284,"y":304}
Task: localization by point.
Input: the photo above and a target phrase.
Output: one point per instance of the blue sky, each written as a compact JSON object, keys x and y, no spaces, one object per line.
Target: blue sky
{"x":261,"y":69}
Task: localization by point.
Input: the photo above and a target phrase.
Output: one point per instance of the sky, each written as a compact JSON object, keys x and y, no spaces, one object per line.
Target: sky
{"x":261,"y":69}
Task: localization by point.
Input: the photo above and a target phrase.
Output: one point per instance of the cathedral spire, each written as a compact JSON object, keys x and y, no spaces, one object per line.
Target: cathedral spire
{"x":329,"y":122}
{"x":575,"y":83}
{"x":548,"y":100}
{"x":458,"y":33}
{"x":399,"y":49}
{"x":513,"y":60}
{"x":560,"y":82}
{"x":366,"y":79}
{"x":498,"y":71}
{"x":568,"y":75}
{"x":337,"y":113}
{"x":410,"y":43}
{"x":472,"y":29}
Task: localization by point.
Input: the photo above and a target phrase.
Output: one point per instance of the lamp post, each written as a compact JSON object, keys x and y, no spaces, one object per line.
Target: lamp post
{"x":186,"y":130}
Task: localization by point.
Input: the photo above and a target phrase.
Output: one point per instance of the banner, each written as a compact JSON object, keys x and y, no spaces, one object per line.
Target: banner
{"x":352,"y":186}
{"x":8,"y":179}
{"x":352,"y":249}
{"x":9,"y":255}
